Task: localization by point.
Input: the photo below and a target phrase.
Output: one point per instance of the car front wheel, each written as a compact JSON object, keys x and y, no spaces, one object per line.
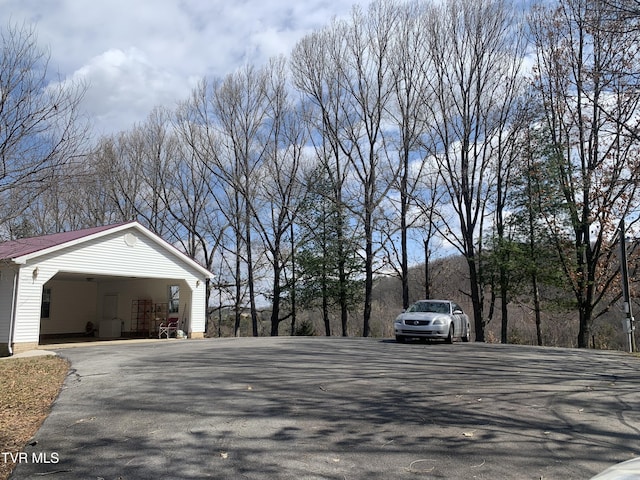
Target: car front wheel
{"x":450,"y":336}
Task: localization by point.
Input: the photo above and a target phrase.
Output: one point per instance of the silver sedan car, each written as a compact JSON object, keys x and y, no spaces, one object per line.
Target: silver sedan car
{"x":622,"y":471}
{"x":433,"y":319}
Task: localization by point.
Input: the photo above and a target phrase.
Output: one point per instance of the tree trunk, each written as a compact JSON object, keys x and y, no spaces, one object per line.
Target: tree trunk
{"x":250,"y":276}
{"x":325,"y":294}
{"x":404,"y":201}
{"x":536,"y":306}
{"x":584,"y":334}
{"x":275,"y":307}
{"x":427,"y":275}
{"x":504,"y":302}
{"x":342,"y":274}
{"x":293,"y":282}
{"x":476,"y":300}
{"x":325,"y":313}
{"x":238,"y":313}
{"x":368,"y":282}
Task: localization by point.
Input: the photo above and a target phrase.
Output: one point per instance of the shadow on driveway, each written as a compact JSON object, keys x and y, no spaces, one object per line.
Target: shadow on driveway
{"x":338,"y":408}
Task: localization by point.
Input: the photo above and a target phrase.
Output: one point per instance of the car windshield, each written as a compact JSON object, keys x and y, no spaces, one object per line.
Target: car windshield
{"x":434,"y":307}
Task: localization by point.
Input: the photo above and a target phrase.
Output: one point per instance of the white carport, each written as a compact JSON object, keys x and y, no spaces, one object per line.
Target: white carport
{"x":121,"y":279}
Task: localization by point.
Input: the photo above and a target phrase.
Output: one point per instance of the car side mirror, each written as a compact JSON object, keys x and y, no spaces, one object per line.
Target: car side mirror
{"x":458,"y":312}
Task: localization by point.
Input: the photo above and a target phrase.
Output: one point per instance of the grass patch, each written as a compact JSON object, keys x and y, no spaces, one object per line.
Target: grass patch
{"x":28,"y":387}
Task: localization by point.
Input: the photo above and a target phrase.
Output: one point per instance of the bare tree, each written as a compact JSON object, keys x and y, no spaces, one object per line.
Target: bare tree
{"x":40,"y":127}
{"x":228,"y":121}
{"x":132,"y":166}
{"x":409,"y":113}
{"x":472,"y":59}
{"x":346,"y":71}
{"x":195,"y":221}
{"x":365,"y":74}
{"x":511,"y":117}
{"x":585,"y":76}
{"x":199,"y":128}
{"x":240,"y":106}
{"x":159,"y":148}
{"x":429,"y":200}
{"x":625,"y":10}
{"x":315,"y":64}
{"x":280,"y":190}
{"x":122,"y":161}
{"x":75,"y":199}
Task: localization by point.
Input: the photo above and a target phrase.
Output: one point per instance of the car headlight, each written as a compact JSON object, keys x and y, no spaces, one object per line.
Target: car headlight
{"x":398,"y":320}
{"x":438,"y":321}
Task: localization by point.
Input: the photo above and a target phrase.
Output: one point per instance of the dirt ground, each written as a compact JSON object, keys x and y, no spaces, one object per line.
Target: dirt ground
{"x":29,"y":386}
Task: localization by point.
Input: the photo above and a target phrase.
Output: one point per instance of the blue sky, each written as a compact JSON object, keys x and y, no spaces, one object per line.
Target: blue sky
{"x":137,"y":54}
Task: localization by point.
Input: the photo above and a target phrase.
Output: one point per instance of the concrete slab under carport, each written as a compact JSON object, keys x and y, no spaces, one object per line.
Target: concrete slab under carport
{"x":53,"y":348}
{"x":334,"y":408}
{"x":79,"y":342}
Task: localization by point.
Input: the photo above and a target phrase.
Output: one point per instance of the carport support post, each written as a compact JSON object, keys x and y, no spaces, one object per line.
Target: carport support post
{"x":628,"y":322}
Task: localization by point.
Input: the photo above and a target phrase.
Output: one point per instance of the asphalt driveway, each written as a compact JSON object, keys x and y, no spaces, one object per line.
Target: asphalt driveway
{"x":337,"y":408}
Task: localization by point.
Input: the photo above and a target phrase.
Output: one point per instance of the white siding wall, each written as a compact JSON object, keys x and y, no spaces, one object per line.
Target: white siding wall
{"x":109,"y":255}
{"x":29,"y":300}
{"x":198,"y":313}
{"x":6,"y":299}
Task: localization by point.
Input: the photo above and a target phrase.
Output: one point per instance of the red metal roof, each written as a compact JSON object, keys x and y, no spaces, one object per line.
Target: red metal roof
{"x":26,"y":246}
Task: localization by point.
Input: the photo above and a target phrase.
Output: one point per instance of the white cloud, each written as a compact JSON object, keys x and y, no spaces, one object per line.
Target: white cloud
{"x":137,"y":55}
{"x":122,"y":85}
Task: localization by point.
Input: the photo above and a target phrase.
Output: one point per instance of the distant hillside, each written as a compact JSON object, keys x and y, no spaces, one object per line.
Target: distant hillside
{"x":449,"y":278}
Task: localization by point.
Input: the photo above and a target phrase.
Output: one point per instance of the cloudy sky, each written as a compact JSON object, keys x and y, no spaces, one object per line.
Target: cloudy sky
{"x":137,"y":54}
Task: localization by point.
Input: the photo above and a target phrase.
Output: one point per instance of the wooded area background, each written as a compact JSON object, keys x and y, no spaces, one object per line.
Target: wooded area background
{"x":466,"y":148}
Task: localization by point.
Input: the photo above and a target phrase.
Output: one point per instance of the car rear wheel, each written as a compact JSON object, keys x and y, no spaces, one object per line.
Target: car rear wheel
{"x":450,"y":336}
{"x":467,"y":337}
{"x":399,"y":339}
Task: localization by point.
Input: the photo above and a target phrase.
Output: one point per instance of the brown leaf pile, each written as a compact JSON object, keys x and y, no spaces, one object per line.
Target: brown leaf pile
{"x":28,"y":387}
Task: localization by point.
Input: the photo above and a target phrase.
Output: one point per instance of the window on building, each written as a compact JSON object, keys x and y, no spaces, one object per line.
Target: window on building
{"x":174,"y":298}
{"x":45,"y":307}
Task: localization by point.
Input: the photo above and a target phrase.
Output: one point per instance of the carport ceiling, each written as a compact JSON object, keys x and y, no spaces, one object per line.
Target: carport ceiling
{"x":87,"y":277}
